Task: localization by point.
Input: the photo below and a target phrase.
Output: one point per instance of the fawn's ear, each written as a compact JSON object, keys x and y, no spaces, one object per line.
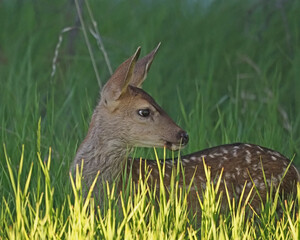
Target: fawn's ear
{"x":142,"y":67}
{"x":118,"y":83}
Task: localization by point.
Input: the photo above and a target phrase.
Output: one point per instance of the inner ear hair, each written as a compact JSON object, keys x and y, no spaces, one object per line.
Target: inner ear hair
{"x":142,"y":67}
{"x":129,"y":74}
{"x":119,"y":81}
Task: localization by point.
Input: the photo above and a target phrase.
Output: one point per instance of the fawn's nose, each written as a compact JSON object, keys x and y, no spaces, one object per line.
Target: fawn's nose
{"x":184,"y":137}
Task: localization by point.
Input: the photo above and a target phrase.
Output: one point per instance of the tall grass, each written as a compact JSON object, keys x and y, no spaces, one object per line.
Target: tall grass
{"x":225,"y":72}
{"x":138,"y":213}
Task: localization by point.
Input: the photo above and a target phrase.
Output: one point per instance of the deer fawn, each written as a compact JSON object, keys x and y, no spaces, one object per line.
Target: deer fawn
{"x":127,"y":116}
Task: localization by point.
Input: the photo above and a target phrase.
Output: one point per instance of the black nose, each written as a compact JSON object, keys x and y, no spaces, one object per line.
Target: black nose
{"x":184,"y":137}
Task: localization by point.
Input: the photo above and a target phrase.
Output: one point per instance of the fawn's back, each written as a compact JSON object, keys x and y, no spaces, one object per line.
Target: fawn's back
{"x":127,"y":117}
{"x":243,"y":167}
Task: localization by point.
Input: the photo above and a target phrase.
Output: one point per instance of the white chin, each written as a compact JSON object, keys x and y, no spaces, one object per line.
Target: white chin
{"x":175,"y":147}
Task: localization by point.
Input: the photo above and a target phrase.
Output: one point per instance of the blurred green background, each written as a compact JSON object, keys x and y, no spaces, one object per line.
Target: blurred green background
{"x":226,"y":71}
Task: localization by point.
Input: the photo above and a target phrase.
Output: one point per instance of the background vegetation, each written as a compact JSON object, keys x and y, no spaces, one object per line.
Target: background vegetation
{"x":227,"y":71}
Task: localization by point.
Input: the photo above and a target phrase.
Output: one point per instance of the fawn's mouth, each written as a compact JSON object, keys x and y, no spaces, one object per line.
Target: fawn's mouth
{"x":174,"y":146}
{"x":184,"y":139}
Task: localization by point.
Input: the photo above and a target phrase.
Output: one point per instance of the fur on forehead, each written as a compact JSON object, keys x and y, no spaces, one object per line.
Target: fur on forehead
{"x":135,"y":91}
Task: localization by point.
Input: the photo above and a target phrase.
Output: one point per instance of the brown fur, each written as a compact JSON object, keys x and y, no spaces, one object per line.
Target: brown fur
{"x":242,"y":164}
{"x":117,"y":127}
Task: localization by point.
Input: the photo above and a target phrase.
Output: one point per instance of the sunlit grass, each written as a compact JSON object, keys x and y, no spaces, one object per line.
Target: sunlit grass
{"x":141,"y":212}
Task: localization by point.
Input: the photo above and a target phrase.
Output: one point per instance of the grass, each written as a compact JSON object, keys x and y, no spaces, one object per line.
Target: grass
{"x":225,"y":72}
{"x":36,"y":216}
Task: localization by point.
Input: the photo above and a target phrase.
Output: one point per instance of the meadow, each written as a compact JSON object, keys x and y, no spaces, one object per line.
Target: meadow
{"x":227,"y":71}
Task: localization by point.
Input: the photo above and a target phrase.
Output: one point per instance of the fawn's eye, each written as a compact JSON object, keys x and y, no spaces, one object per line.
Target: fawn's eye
{"x":144,"y":112}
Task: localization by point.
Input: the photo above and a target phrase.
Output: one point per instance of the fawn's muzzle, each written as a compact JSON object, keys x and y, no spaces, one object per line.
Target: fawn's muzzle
{"x":184,"y":137}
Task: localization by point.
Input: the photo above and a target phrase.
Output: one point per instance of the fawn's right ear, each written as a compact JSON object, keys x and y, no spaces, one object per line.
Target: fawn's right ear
{"x":142,"y":67}
{"x":118,"y":83}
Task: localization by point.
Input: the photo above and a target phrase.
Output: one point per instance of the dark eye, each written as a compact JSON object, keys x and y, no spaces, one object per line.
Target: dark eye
{"x":144,"y":112}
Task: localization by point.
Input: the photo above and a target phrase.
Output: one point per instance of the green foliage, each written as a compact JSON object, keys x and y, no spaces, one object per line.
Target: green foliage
{"x":227,"y":71}
{"x":138,"y":213}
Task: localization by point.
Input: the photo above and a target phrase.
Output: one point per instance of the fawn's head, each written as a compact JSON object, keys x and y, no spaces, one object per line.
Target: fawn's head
{"x":130,"y":114}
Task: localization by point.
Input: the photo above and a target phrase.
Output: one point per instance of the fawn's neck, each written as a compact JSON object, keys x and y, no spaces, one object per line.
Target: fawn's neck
{"x":104,"y":151}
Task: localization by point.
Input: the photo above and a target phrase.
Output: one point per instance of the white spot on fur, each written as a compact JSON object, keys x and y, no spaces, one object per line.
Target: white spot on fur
{"x":224,"y":151}
{"x":227,"y":175}
{"x":248,"y":145}
{"x":201,"y":179}
{"x":186,"y":160}
{"x":277,"y":154}
{"x":297,"y":172}
{"x":259,"y":148}
{"x":168,"y":163}
{"x":248,"y":159}
{"x":274,"y":158}
{"x":238,"y":190}
{"x":219,"y":154}
{"x":275,"y":181}
{"x":260,"y":177}
{"x":283,"y":170}
{"x":211,"y":155}
{"x":234,"y":153}
{"x":169,"y":166}
{"x":262,"y":186}
{"x":254,"y":167}
{"x":238,"y":170}
{"x":279,"y":178}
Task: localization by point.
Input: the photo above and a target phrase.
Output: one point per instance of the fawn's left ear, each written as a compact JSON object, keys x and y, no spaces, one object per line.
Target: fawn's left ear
{"x":118,"y":83}
{"x":142,"y":67}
